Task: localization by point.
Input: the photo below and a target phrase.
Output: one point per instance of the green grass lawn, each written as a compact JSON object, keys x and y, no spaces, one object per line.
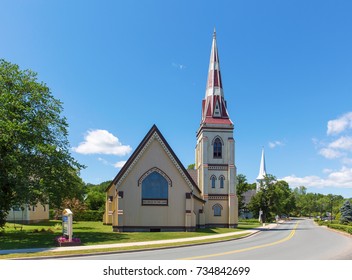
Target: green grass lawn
{"x":42,"y":235}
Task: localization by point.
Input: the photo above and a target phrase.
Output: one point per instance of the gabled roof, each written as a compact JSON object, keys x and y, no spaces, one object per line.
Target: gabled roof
{"x":153,"y":133}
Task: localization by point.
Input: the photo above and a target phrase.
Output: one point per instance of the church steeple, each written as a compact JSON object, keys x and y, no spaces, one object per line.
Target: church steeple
{"x":262,"y":170}
{"x":215,"y":151}
{"x":214,"y":108}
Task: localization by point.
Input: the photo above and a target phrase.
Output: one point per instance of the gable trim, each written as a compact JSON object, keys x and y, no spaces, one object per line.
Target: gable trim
{"x":153,"y":134}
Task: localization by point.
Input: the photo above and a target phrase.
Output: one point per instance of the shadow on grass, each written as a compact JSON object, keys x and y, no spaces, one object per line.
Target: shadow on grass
{"x":26,"y":240}
{"x":89,"y":238}
{"x":207,"y":230}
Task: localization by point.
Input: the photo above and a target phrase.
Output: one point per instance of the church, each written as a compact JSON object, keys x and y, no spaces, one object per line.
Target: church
{"x":153,"y":191}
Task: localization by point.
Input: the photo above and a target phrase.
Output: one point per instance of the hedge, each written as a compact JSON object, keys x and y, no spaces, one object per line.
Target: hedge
{"x":345,"y":228}
{"x":87,"y":215}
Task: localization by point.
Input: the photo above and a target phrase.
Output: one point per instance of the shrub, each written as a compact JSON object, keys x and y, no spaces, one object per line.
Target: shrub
{"x":51,"y":214}
{"x":89,"y":215}
{"x":249,"y":221}
{"x":346,"y":228}
{"x":58,"y":226}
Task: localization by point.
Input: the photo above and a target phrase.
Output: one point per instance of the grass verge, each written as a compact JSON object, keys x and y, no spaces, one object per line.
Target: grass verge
{"x":42,"y":235}
{"x":115,"y":250}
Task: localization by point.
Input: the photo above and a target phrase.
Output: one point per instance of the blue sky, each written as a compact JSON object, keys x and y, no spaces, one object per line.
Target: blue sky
{"x":121,"y":66}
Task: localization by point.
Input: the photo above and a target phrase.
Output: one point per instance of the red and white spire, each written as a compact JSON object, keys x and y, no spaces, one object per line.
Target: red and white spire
{"x":214,"y":105}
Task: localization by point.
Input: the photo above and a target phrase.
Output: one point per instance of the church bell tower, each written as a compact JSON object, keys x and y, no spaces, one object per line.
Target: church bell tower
{"x":215,"y":151}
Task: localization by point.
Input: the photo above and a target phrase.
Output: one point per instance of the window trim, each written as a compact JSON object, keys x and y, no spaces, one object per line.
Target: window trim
{"x":217,"y":147}
{"x":154,"y":201}
{"x":217,"y":208}
{"x":213,"y":181}
{"x":222,"y":181}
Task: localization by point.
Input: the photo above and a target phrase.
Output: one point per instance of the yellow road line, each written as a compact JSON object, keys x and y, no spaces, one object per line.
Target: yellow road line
{"x":292,"y":233}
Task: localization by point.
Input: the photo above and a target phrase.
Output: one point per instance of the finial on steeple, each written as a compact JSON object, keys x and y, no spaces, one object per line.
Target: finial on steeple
{"x":214,"y":33}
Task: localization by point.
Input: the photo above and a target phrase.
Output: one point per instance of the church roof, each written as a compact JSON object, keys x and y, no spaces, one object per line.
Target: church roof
{"x":214,"y":107}
{"x":154,"y":132}
{"x":194,"y":174}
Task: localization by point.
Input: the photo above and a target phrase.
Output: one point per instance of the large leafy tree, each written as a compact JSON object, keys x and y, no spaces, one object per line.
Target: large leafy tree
{"x":274,"y":198}
{"x":35,"y":161}
{"x":96,"y":196}
{"x":242,"y":187}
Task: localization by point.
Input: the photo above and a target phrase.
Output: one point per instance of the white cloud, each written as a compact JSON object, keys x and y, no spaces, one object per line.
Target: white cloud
{"x":119,"y":164}
{"x":339,"y":125}
{"x":307,"y":181}
{"x":343,"y":143}
{"x":274,"y":144}
{"x":341,"y":147}
{"x":335,"y":147}
{"x":315,"y":141}
{"x":103,"y":161}
{"x":102,"y":142}
{"x":338,"y":179}
{"x":178,"y":66}
{"x":347,"y":161}
{"x":327,"y":170}
{"x":330,"y":153}
{"x":338,"y":148}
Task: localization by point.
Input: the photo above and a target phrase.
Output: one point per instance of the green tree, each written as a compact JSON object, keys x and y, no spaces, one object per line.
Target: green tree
{"x":300,"y":193}
{"x":346,"y":212}
{"x":310,"y":206}
{"x":273,"y":198}
{"x":96,"y":195}
{"x":191,"y":166}
{"x":95,"y":200}
{"x":242,"y":186}
{"x":35,"y":162}
{"x":335,"y":203}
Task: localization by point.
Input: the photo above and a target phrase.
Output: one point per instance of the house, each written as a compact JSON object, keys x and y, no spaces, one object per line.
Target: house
{"x":28,"y":214}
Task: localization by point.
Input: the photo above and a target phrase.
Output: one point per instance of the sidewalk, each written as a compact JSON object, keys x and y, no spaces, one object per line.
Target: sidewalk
{"x":135,"y":244}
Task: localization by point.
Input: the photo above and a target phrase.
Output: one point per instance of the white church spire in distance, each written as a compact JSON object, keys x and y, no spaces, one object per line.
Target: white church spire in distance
{"x":262,"y":170}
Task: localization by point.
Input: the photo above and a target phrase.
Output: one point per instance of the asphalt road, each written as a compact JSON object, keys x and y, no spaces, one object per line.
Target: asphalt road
{"x":298,"y":239}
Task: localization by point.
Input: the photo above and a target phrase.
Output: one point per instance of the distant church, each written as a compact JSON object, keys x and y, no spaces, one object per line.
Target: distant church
{"x":153,"y":190}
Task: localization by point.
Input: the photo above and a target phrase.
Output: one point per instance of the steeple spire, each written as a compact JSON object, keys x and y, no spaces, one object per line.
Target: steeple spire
{"x":214,"y":105}
{"x":262,"y":169}
{"x":214,"y":84}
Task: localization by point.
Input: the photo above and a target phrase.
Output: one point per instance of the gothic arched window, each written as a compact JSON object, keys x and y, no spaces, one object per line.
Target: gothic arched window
{"x":217,"y":209}
{"x":217,"y":148}
{"x":155,"y":189}
{"x":213,"y":179}
{"x":222,"y":179}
